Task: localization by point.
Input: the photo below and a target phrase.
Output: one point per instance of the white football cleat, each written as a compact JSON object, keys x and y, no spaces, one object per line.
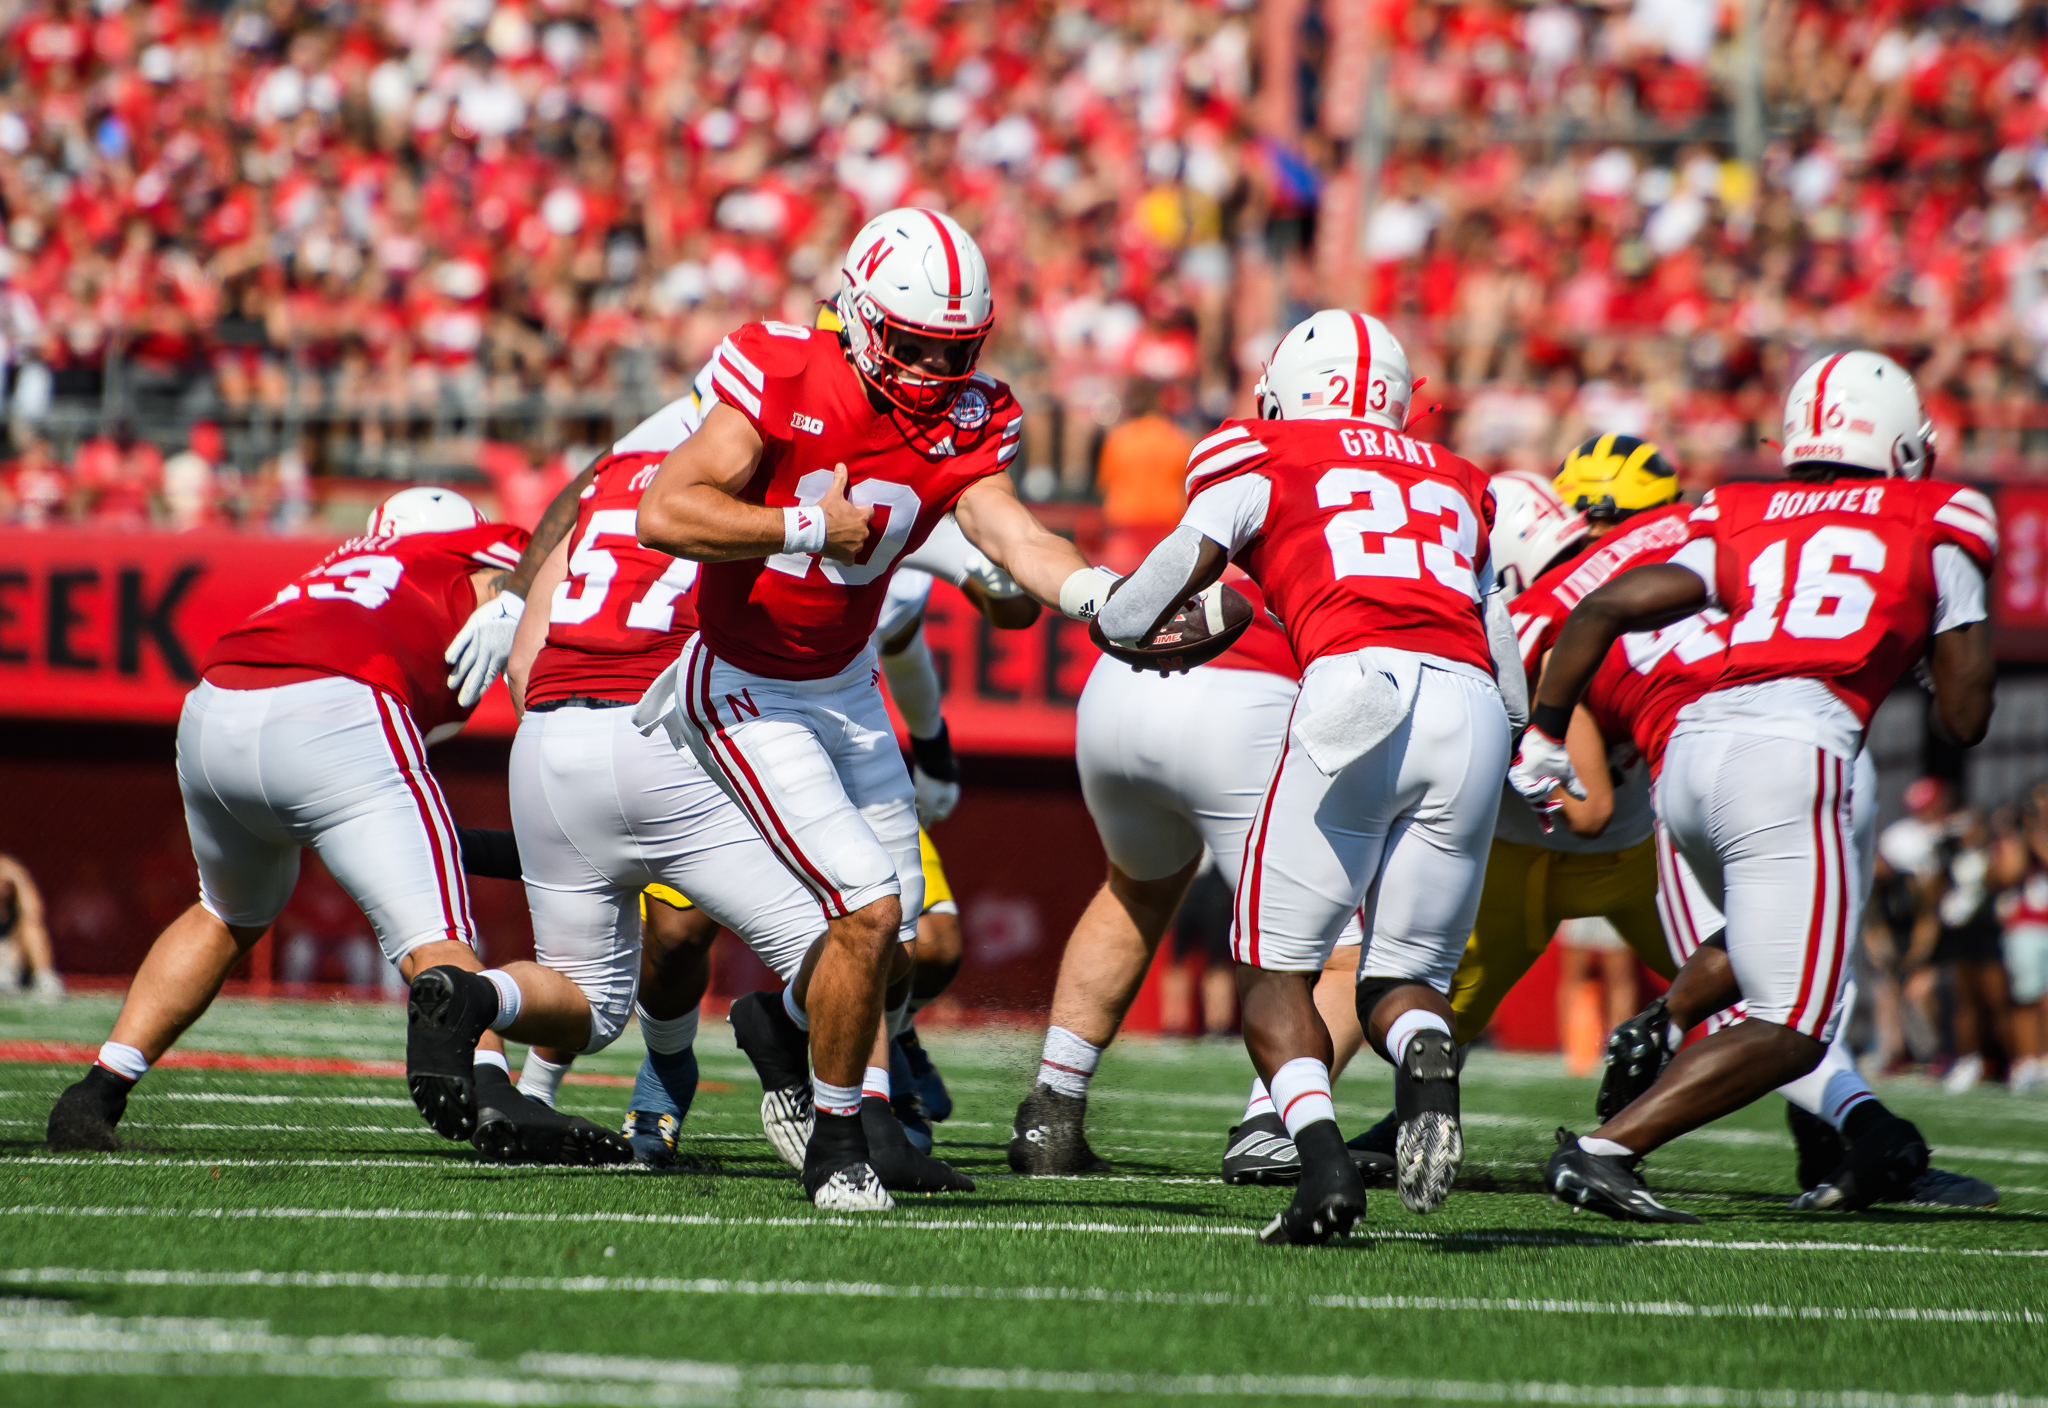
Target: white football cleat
{"x":854,"y":1188}
{"x":786,"y":1118}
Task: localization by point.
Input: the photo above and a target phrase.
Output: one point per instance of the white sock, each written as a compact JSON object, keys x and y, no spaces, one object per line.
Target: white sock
{"x":124,"y":1060}
{"x":668,"y":1036}
{"x":1405,"y":1026}
{"x":509,"y":998}
{"x":1067,"y":1062}
{"x":540,"y":1080}
{"x":835,"y":1099}
{"x":1301,"y":1093}
{"x":1605,"y":1147}
{"x":875,"y":1084}
{"x":493,"y":1058}
{"x":796,"y":1013}
{"x":1261,"y":1103}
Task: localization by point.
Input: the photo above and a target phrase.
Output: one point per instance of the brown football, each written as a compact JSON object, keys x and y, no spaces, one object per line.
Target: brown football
{"x":1205,"y":626}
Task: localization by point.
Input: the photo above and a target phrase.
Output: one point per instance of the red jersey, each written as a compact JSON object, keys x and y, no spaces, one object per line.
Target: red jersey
{"x":1263,"y":646}
{"x":624,"y":611}
{"x":800,"y":616}
{"x":1837,"y":581}
{"x":1649,"y":675}
{"x":381,"y":610}
{"x":1360,"y":536}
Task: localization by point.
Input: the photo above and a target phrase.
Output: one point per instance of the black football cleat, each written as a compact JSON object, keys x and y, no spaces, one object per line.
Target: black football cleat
{"x":1373,"y":1151}
{"x":900,"y":1164}
{"x":1047,"y":1137}
{"x":1330,"y":1198}
{"x":1637,"y":1054}
{"x":1429,"y":1145}
{"x":84,"y":1116}
{"x":1604,"y":1184}
{"x":1259,"y":1151}
{"x":445,"y":1014}
{"x":1883,"y":1164}
{"x":780,"y":1051}
{"x":1938,"y":1188}
{"x":1821,"y":1147}
{"x":837,"y":1174}
{"x":512,"y":1128}
{"x":925,"y":1077}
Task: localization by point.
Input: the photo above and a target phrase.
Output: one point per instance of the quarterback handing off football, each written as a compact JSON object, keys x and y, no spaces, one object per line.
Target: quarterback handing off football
{"x":1207,"y":624}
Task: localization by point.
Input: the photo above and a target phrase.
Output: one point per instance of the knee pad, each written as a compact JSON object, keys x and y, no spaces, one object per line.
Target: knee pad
{"x":1370,"y":991}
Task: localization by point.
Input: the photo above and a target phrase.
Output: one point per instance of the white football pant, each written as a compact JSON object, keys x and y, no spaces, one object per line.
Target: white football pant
{"x":327,"y":763}
{"x":601,"y":812}
{"x":1691,"y":917}
{"x":814,"y":765}
{"x":1401,"y":834}
{"x":1766,"y":827}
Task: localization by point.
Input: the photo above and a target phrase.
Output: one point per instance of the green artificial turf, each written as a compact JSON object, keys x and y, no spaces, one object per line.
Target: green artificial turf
{"x":304,"y":1238}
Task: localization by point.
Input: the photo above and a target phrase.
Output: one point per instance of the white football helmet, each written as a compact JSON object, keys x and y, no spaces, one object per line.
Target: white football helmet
{"x":425,"y":509}
{"x":1336,"y":365}
{"x":1531,"y":528}
{"x":1859,"y":410}
{"x":914,"y":271}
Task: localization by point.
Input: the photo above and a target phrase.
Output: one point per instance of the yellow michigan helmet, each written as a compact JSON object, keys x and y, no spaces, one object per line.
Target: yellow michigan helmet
{"x":1612,"y":476}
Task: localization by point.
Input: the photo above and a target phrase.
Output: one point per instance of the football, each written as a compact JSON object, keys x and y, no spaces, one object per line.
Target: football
{"x":1207,"y":624}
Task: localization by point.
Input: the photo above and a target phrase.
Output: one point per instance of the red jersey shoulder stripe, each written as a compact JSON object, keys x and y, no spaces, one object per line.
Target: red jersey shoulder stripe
{"x":1968,"y":511}
{"x":1225,"y":450}
{"x":728,"y":368}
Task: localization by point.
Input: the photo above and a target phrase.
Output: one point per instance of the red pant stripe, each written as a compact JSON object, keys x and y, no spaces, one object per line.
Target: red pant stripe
{"x":402,"y":757}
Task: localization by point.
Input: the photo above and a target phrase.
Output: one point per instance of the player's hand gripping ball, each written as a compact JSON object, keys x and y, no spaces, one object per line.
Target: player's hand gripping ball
{"x":1207,"y":624}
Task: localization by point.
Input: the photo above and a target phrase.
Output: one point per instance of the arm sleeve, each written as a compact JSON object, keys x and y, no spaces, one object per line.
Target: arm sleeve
{"x":1507,"y":660}
{"x":1697,"y":557}
{"x":914,"y":685}
{"x":1958,"y":589}
{"x":1230,"y":513}
{"x":1161,"y":581}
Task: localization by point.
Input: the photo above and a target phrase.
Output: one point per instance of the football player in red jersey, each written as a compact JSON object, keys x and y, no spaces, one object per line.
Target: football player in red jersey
{"x":310,"y":728}
{"x":1370,"y":546}
{"x":828,"y":458}
{"x":1835,"y":583}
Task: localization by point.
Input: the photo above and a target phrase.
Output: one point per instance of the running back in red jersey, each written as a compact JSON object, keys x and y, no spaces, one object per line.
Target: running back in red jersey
{"x":623,"y":612}
{"x":380,"y":609}
{"x":1648,"y":676}
{"x":1359,"y":535}
{"x":1840,"y":581}
{"x":801,"y":616}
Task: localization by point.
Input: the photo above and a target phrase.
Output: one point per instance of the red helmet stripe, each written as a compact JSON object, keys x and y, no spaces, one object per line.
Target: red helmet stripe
{"x":1364,"y":367}
{"x":952,"y":259}
{"x":1820,"y":388}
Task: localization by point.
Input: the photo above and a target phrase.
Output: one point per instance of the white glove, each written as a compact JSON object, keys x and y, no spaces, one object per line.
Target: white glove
{"x":480,"y":649}
{"x":935,"y":799}
{"x":994,"y":580}
{"x":1540,"y":769}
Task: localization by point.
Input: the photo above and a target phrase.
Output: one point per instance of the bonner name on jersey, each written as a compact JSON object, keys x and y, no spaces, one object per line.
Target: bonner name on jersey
{"x":1793,"y":503}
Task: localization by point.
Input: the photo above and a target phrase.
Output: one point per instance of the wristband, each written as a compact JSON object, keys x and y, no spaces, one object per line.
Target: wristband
{"x":1552,"y":720}
{"x":934,"y":756}
{"x":1082,"y":594}
{"x":803,"y":529}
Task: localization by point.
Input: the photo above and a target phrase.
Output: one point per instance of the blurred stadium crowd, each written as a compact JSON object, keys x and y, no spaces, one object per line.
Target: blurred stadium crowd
{"x":251,"y":245}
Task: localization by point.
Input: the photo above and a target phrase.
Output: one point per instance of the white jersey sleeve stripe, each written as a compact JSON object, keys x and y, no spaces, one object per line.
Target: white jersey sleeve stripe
{"x":1964,"y":520}
{"x":1013,"y":426}
{"x":1697,"y":557}
{"x":729,"y":385}
{"x":1223,"y":459}
{"x":732,"y":357}
{"x":1958,"y":589}
{"x":1974,"y":501}
{"x":1007,"y":453}
{"x":1221,"y":437}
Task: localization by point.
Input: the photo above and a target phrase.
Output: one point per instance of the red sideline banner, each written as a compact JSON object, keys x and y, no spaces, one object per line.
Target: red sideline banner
{"x":2019,"y":580}
{"x":114,"y":627}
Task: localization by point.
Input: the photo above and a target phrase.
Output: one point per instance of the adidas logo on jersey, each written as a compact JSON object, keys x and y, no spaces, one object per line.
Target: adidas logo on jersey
{"x":809,"y":425}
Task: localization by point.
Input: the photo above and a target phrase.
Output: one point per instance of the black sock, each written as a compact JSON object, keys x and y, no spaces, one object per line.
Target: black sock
{"x":1867,"y":1115}
{"x":1321,"y":1141}
{"x":112,"y":1089}
{"x":837,"y":1140}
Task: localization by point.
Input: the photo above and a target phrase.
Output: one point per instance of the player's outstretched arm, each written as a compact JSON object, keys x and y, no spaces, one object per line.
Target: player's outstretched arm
{"x":1186,"y":562}
{"x":1964,"y":671}
{"x":693,"y":509}
{"x":1010,"y":535}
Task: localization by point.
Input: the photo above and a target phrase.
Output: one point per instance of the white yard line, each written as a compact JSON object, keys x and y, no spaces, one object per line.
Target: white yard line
{"x":1093,"y":1295}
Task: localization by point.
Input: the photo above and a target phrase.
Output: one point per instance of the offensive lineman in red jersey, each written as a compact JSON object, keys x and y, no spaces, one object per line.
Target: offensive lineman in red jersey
{"x":1834,"y":585}
{"x":310,"y":728}
{"x":827,"y":459}
{"x":1370,"y":547}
